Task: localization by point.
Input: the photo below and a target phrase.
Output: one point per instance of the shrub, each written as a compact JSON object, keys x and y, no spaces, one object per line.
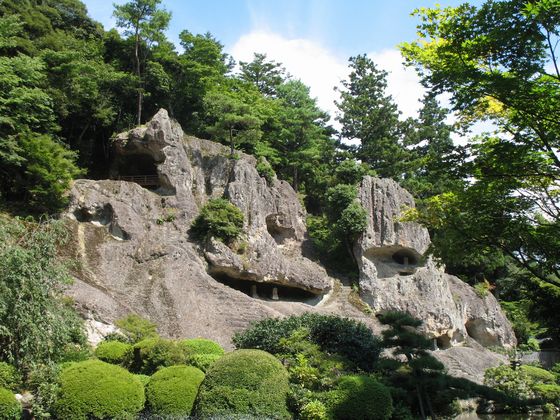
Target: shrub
{"x":203,"y":361}
{"x":201,"y":346}
{"x":98,"y":390}
{"x":136,"y":328}
{"x":219,"y":219}
{"x":114,"y":352}
{"x":265,"y":170}
{"x":244,"y":383}
{"x":10,"y":408}
{"x":313,"y":410}
{"x":144,"y":379}
{"x":359,"y":397}
{"x":154,"y":353}
{"x":538,"y":375}
{"x":548,"y":392}
{"x":348,"y":338}
{"x":9,"y":377}
{"x":171,"y":391}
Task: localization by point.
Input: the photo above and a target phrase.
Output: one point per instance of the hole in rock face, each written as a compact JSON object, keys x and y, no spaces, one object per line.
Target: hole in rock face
{"x":405,"y":257}
{"x":265,"y":291}
{"x":394,"y":260}
{"x":103,"y":216}
{"x":477,"y":330}
{"x":443,"y":342}
{"x":278,"y":232}
{"x":138,"y":168}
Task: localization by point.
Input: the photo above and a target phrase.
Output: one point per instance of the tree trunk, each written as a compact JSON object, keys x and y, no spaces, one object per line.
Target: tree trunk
{"x":138,"y":72}
{"x":420,"y":403}
{"x":296,"y":180}
{"x":231,"y":148}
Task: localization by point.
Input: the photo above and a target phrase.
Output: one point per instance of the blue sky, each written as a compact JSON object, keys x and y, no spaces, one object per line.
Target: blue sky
{"x":312,"y":38}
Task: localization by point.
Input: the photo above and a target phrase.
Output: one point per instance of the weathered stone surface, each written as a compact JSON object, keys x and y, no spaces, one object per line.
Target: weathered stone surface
{"x":136,"y":255}
{"x":395,"y":275}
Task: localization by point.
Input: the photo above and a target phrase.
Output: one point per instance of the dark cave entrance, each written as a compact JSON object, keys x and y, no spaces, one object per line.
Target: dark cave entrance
{"x":265,"y":291}
{"x":138,"y":168}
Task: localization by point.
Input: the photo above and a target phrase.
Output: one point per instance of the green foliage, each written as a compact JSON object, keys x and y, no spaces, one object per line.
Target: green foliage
{"x":358,"y":397}
{"x":219,"y":219}
{"x":348,"y":338}
{"x":136,"y":328}
{"x":518,"y":314}
{"x":32,"y":277}
{"x":353,"y":221}
{"x":548,"y":392}
{"x":171,"y":391}
{"x":10,"y":408}
{"x":43,"y":384}
{"x":514,"y":383}
{"x":98,"y":390}
{"x":10,"y":378}
{"x":313,"y":410}
{"x":201,"y":346}
{"x":482,"y":289}
{"x":538,"y":375}
{"x":202,"y":361}
{"x":265,"y":171}
{"x":266,"y":75}
{"x":152,"y":354}
{"x":244,"y":383}
{"x":114,"y":352}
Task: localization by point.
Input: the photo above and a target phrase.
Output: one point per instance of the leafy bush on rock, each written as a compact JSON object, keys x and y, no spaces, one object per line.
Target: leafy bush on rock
{"x":219,"y":219}
{"x":10,"y":408}
{"x":171,"y":391}
{"x":244,"y":383}
{"x":98,"y":390}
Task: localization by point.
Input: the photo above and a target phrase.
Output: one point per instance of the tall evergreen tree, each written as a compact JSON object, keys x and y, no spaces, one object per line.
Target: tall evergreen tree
{"x":265,"y":74}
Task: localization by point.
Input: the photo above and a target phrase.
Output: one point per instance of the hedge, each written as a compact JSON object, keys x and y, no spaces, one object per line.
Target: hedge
{"x":244,"y":383}
{"x":10,"y":408}
{"x":114,"y":352}
{"x":201,"y":346}
{"x":171,"y":391}
{"x":9,"y":377}
{"x":97,"y":390}
{"x":152,"y":354}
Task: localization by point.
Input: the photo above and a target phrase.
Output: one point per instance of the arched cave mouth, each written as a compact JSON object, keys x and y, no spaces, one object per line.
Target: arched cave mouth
{"x":394,"y":260}
{"x":138,"y":168}
{"x":478,"y":331}
{"x":265,"y":291}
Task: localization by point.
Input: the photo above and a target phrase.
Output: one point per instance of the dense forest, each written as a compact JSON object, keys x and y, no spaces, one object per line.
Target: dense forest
{"x":491,"y":203}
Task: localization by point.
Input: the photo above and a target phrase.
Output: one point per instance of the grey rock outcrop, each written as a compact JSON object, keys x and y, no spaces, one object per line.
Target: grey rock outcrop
{"x":395,"y":275}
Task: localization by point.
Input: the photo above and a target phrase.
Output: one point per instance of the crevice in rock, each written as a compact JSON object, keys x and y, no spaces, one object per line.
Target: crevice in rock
{"x":478,"y":331}
{"x":278,"y":232}
{"x":443,"y":342}
{"x":266,"y":291}
{"x":102,"y":217}
{"x":394,"y":260}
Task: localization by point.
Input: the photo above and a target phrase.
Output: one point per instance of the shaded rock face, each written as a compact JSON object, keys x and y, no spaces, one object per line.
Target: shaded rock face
{"x":136,"y":254}
{"x":395,"y":275}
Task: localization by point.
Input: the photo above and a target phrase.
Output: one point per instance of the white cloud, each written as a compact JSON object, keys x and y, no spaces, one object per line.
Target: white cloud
{"x":304,"y":59}
{"x":322,"y":70}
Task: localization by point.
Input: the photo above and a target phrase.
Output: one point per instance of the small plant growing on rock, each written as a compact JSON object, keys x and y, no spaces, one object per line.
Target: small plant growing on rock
{"x":265,"y":170}
{"x":219,"y":219}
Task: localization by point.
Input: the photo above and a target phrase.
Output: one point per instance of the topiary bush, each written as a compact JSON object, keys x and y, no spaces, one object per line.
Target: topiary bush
{"x":10,"y":408}
{"x":244,"y":383}
{"x":97,"y":390}
{"x":219,"y":219}
{"x":201,"y":346}
{"x":358,"y":397}
{"x":171,"y":391}
{"x":203,"y":361}
{"x":348,"y":338}
{"x":153,"y":353}
{"x":114,"y":352}
{"x":9,"y":377}
{"x":538,"y":375}
{"x":548,"y":392}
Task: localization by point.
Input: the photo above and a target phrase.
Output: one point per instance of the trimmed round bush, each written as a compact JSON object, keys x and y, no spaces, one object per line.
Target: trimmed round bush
{"x":171,"y":391}
{"x":202,"y":346}
{"x":97,"y":390}
{"x":244,"y":383}
{"x":10,"y":408}
{"x":9,"y":377}
{"x":203,"y":361}
{"x":548,"y":392}
{"x":538,"y":374}
{"x":114,"y":352}
{"x":152,"y":354}
{"x":359,"y":397}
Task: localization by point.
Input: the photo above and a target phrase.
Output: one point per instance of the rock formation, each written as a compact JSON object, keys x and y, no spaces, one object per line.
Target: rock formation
{"x":395,"y":275}
{"x":136,"y":255}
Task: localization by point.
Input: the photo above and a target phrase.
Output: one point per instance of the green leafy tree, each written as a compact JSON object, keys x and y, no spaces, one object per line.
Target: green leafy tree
{"x":266,"y":75}
{"x":145,"y":22}
{"x":36,"y":324}
{"x":370,"y":116}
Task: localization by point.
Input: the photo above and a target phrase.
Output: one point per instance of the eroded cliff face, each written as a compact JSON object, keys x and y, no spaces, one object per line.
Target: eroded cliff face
{"x":136,"y":255}
{"x":395,"y":275}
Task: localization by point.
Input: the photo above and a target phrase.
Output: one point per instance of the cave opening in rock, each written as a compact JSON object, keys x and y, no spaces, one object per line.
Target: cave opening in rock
{"x":443,"y":342}
{"x":405,"y":257}
{"x":279,"y":233}
{"x":138,"y":168}
{"x":266,"y":291}
{"x":477,"y":330}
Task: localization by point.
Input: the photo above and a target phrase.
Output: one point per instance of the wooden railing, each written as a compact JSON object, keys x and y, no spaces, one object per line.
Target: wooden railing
{"x":143,"y":180}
